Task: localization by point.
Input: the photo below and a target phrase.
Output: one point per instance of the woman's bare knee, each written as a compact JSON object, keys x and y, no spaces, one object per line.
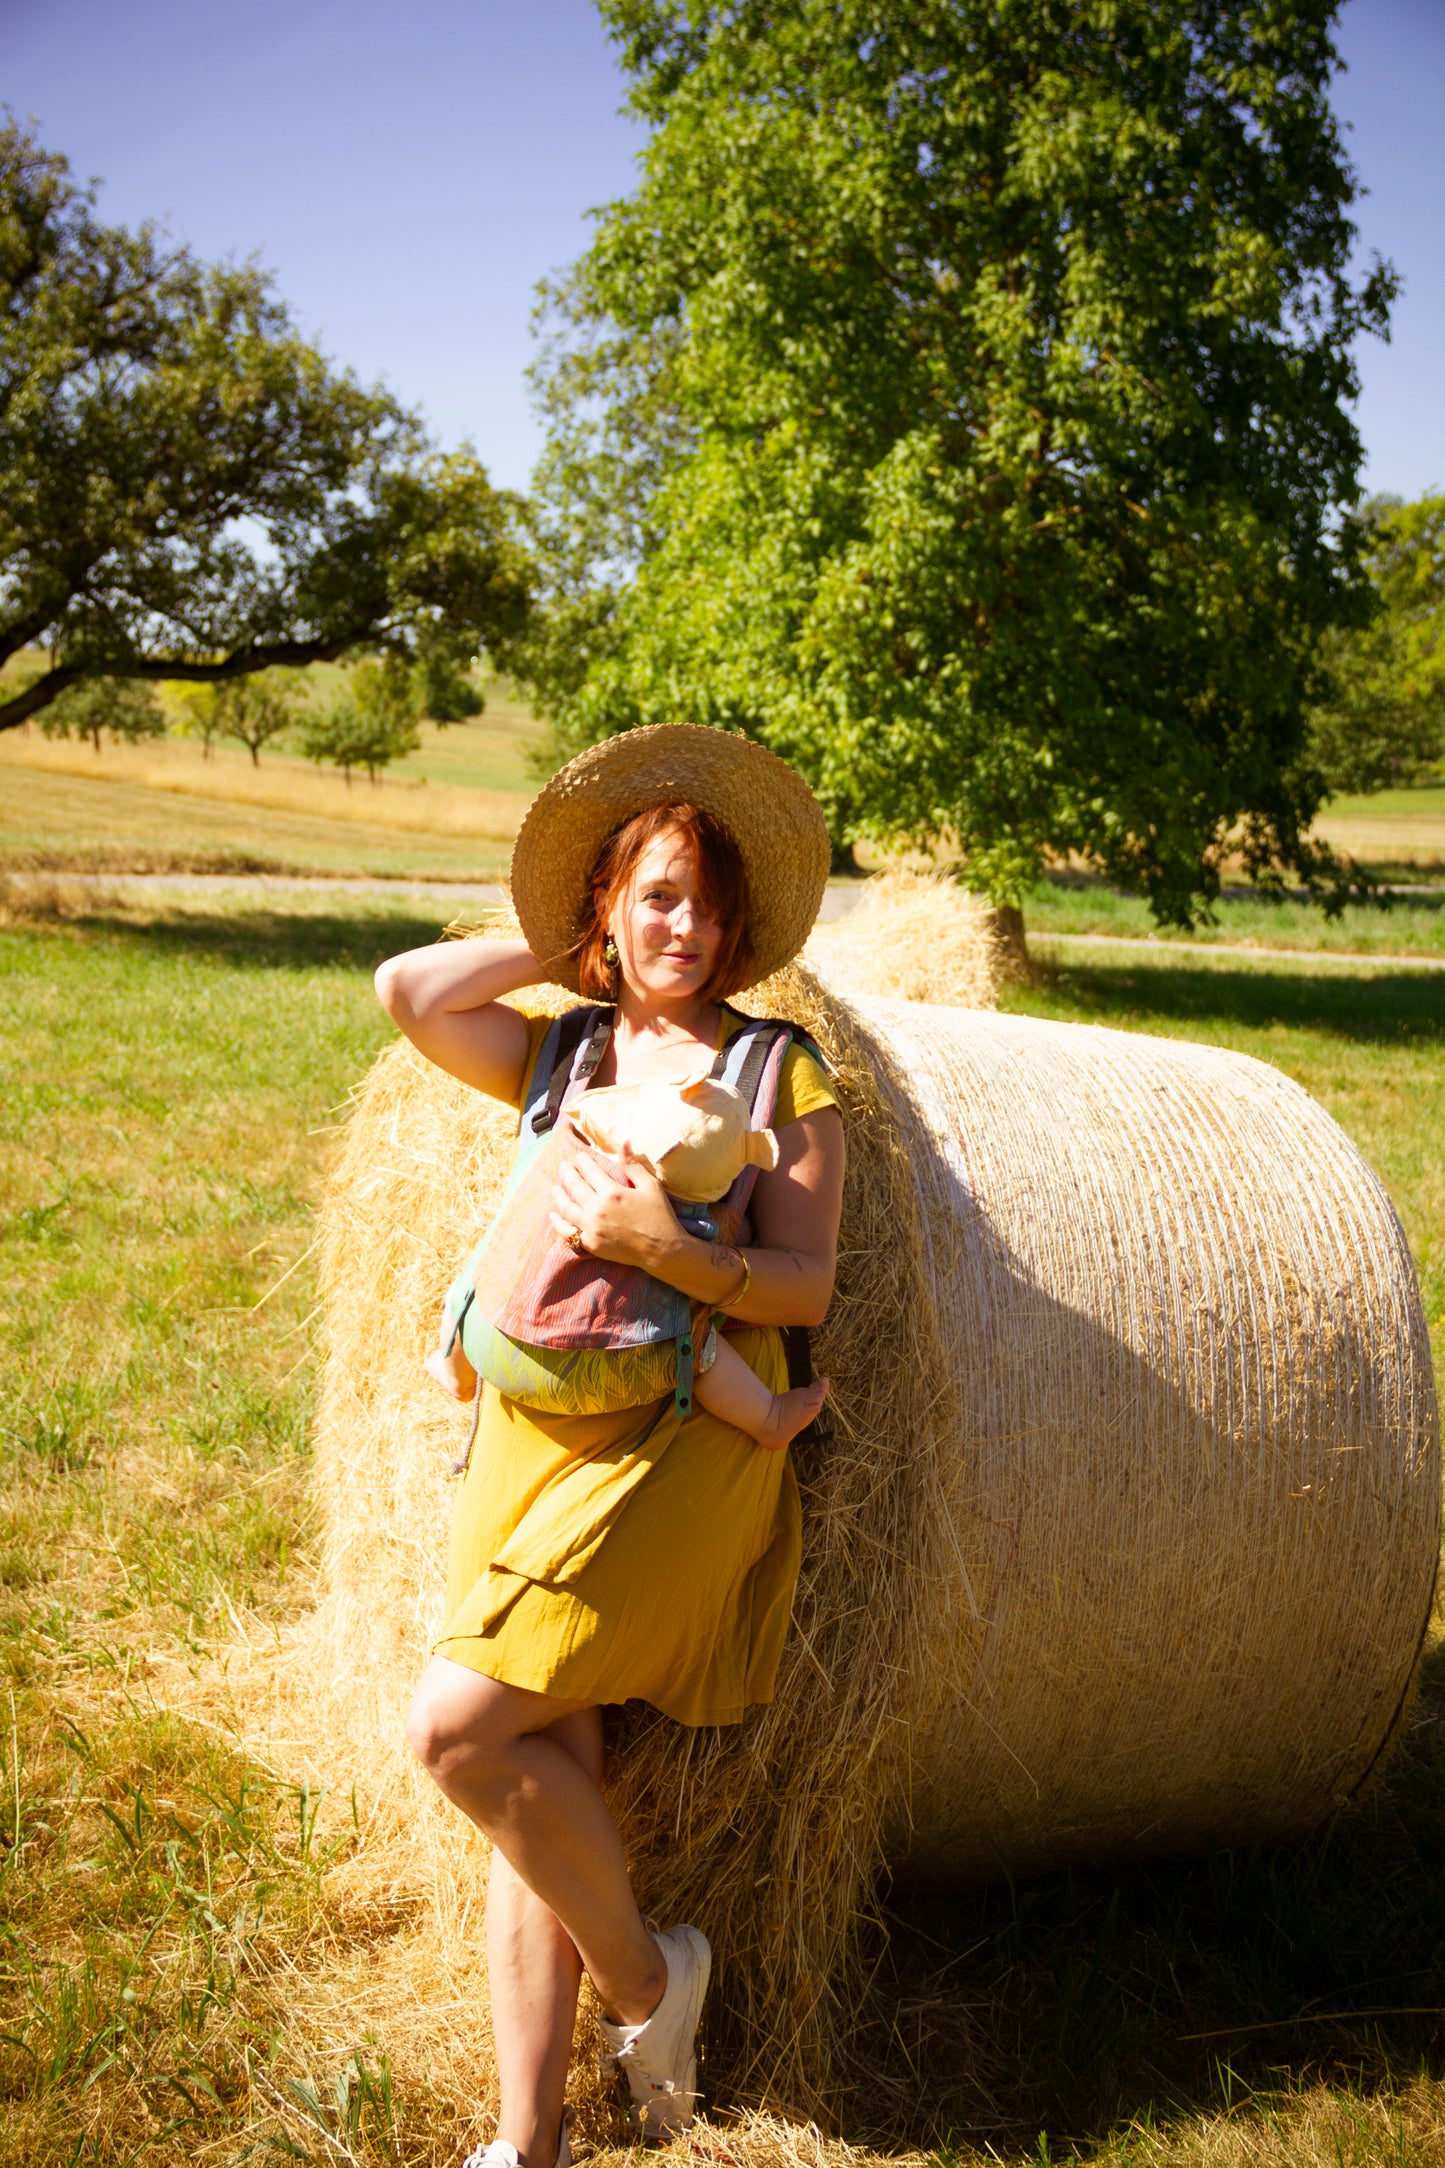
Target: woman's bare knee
{"x":462,"y":1723}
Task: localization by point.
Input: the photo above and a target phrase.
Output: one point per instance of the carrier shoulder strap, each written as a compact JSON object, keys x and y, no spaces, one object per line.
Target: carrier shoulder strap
{"x":581,"y":1041}
{"x":757,"y":1038}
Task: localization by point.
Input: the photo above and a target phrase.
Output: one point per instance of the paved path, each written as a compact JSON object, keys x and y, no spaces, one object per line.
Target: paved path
{"x":838,"y":900}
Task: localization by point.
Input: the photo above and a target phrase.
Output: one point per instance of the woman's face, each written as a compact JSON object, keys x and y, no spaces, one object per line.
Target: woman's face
{"x":667,"y":940}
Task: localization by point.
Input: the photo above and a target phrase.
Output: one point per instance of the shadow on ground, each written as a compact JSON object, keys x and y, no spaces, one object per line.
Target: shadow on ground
{"x":1378,"y":1006}
{"x":263,"y":940}
{"x":1088,"y":2002}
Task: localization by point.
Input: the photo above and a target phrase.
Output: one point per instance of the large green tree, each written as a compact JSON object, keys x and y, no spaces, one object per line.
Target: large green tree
{"x":960,"y":404}
{"x":1382,"y":722}
{"x":189,"y":490}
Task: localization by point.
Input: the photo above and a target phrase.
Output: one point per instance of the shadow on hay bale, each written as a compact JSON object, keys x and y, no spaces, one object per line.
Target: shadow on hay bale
{"x":1121,"y":1541}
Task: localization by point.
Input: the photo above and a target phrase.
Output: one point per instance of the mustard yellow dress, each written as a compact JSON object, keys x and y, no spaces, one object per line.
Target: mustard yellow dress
{"x":607,"y":1558}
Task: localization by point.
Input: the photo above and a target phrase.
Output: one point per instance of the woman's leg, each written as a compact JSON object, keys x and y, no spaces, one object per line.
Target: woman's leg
{"x":488,"y":1747}
{"x":535,"y":1971}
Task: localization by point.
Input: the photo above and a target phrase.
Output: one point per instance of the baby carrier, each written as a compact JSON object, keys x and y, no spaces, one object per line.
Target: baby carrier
{"x":579,"y":1335}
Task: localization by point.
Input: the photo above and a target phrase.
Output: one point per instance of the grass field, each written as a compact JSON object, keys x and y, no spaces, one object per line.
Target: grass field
{"x":1412,"y":925}
{"x":108,"y":824}
{"x":171,"y":1082}
{"x":447,"y":812}
{"x":1396,"y":831}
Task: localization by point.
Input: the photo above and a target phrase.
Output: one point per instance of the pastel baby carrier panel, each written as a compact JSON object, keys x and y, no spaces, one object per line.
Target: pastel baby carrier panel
{"x":581,"y":1335}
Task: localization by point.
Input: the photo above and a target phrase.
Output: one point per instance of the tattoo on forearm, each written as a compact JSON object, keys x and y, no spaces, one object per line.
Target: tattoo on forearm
{"x":725,"y":1258}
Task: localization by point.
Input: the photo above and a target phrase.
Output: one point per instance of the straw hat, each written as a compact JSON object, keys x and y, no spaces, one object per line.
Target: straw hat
{"x":765,"y":805}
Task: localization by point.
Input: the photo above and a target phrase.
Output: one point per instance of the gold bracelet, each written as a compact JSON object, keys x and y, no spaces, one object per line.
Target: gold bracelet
{"x":742,"y":1293}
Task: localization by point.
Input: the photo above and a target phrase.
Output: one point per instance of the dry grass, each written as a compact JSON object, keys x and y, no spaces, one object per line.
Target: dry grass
{"x":31,"y":899}
{"x":916,"y":934}
{"x":176,"y":767}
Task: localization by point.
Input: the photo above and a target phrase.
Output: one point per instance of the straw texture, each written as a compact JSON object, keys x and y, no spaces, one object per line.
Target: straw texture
{"x":1122,"y":1538}
{"x":1199,"y":1436}
{"x":764,"y":804}
{"x":914,"y":933}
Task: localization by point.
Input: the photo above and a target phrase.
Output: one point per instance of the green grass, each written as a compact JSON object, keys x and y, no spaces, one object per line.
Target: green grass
{"x":168,"y":1088}
{"x":169,"y":1084}
{"x":1427,"y":803}
{"x":1406,"y":926}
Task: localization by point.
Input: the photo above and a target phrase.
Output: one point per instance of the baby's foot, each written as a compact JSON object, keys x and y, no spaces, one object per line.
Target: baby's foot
{"x":792,"y":1412}
{"x":453,"y":1373}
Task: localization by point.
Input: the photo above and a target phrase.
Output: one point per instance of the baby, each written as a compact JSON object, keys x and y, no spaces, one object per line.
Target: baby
{"x":696,"y":1139}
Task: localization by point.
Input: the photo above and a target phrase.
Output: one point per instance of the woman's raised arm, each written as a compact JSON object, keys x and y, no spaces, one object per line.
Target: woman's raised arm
{"x":446,"y":999}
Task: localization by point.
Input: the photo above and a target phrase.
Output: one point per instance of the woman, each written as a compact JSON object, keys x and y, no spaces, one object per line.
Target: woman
{"x":600,"y":1558}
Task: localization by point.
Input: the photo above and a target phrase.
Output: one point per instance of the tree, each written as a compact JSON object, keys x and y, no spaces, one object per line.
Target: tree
{"x":444,"y":691}
{"x":199,"y":714}
{"x":1382,"y":723}
{"x":257,"y":709}
{"x":129,"y":712}
{"x":189,"y":490}
{"x":960,"y":405}
{"x":369,"y":725}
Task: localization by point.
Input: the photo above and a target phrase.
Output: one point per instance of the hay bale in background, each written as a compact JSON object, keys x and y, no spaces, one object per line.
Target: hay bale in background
{"x":914,"y":933}
{"x":1122,"y":1541}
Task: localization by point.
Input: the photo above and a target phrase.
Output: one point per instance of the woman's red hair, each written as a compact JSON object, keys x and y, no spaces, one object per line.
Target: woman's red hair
{"x":722,"y":883}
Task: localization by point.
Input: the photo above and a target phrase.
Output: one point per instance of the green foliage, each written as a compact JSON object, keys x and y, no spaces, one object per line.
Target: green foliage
{"x":370,"y":724}
{"x":199,"y":714}
{"x":254,"y":710}
{"x":1385,"y":724}
{"x":960,"y":405}
{"x":129,"y":711}
{"x":444,"y":691}
{"x":156,"y":414}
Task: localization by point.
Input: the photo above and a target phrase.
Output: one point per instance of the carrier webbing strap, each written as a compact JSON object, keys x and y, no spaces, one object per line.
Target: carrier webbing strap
{"x":686,"y":1373}
{"x":759,"y":1034}
{"x":582,"y":1037}
{"x":760,"y":1039}
{"x":798,"y":1351}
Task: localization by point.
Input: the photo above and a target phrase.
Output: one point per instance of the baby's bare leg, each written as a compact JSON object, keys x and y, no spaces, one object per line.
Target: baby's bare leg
{"x":452,"y":1371}
{"x":737,"y":1395}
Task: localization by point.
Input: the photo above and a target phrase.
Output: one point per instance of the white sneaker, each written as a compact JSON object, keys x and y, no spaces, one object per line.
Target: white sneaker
{"x":660,"y":2055}
{"x":501,"y":2155}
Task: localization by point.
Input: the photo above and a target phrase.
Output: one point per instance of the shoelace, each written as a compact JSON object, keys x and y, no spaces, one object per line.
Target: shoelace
{"x":617,"y":2056}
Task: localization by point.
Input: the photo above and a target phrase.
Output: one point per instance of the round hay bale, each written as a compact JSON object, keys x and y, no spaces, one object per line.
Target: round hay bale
{"x":1196,"y":1499}
{"x":1121,"y":1538}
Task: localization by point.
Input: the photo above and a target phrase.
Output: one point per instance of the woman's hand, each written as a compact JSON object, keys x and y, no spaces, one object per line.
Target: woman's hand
{"x":795,"y":1212}
{"x":628,"y":1222}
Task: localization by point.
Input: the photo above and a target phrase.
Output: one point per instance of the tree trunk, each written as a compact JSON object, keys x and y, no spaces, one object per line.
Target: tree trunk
{"x":1006,"y":925}
{"x":255,"y":756}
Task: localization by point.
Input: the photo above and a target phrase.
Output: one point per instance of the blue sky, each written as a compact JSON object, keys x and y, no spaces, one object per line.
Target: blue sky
{"x":409,"y":173}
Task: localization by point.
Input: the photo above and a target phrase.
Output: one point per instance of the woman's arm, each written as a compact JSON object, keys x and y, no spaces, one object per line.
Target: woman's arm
{"x":445,"y":998}
{"x":796,"y":1209}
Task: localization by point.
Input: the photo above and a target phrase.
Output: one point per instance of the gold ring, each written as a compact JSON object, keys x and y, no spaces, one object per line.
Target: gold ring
{"x":575,"y":1243}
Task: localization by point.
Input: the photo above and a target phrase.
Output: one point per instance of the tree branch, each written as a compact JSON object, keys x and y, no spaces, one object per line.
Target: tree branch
{"x":292,"y":654}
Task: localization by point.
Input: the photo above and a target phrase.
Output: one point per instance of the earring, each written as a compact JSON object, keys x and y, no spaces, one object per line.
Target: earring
{"x":609,"y":953}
